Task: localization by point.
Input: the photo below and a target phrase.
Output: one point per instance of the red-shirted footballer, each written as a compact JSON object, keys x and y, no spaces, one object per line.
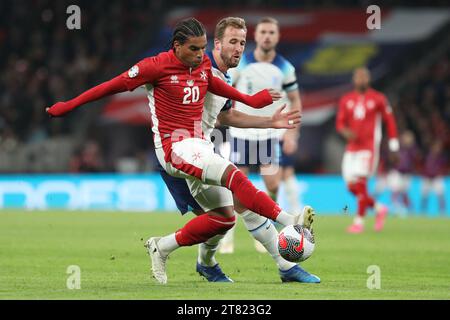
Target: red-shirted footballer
{"x":359,"y":119}
{"x":176,"y":82}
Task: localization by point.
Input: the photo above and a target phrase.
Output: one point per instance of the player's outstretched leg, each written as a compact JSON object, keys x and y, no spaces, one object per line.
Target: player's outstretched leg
{"x":298,"y":274}
{"x":265,"y":232}
{"x":259,"y":247}
{"x":227,"y":244}
{"x":207,"y":265}
{"x":252,"y":198}
{"x":158,"y":260}
{"x":197,"y":230}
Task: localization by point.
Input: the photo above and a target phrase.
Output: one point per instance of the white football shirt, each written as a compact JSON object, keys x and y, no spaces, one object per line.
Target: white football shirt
{"x":252,"y":76}
{"x":214,"y":104}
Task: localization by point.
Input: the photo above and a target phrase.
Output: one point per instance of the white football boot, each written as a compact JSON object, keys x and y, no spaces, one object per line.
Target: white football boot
{"x":158,"y":261}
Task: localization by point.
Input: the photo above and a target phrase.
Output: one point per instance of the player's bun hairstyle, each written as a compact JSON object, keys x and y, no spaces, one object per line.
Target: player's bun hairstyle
{"x":186,"y":29}
{"x":234,"y":22}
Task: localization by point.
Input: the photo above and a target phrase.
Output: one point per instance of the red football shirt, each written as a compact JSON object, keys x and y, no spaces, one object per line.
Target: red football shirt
{"x":362,"y":113}
{"x":176,"y":94}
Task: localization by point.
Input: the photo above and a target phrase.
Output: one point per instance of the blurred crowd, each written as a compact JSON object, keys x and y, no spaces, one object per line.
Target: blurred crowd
{"x":422,"y":112}
{"x":42,"y":62}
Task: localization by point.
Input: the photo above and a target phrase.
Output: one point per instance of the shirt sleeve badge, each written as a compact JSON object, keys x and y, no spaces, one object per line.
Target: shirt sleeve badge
{"x":133,"y":72}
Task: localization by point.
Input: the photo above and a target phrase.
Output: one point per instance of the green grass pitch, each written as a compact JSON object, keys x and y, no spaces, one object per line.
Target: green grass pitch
{"x":36,"y":248}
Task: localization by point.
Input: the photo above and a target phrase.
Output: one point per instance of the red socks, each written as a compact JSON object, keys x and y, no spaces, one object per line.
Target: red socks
{"x":203,"y":227}
{"x":253,"y":199}
{"x":359,"y":189}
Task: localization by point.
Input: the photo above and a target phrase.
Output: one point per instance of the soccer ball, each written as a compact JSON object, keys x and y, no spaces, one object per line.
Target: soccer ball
{"x":295,"y":243}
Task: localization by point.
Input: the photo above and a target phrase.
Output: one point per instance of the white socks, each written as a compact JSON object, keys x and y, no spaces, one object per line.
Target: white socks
{"x":167,"y":244}
{"x":207,"y":250}
{"x":264,"y":231}
{"x":292,"y":192}
{"x":228,"y":239}
{"x":285,"y":218}
{"x":261,"y":229}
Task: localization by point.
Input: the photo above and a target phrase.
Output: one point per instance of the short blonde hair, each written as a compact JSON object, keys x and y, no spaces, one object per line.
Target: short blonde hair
{"x":234,"y":22}
{"x":268,"y":20}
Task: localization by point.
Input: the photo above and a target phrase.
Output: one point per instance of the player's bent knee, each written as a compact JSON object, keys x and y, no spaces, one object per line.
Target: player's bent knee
{"x":231,"y":222}
{"x":216,"y":169}
{"x":223,"y":223}
{"x":225,"y":212}
{"x":226,"y":173}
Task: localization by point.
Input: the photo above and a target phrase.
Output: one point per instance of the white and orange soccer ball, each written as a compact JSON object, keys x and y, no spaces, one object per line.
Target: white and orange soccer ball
{"x":295,"y":243}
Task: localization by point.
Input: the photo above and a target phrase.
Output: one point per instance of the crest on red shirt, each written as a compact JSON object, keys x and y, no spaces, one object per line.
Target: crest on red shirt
{"x":133,"y":72}
{"x":203,"y":75}
{"x":173,"y":79}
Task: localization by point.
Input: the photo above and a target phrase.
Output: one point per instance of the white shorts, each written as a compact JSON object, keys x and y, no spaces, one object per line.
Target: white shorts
{"x":194,"y":160}
{"x":212,"y":197}
{"x":435,"y":184}
{"x":358,"y":164}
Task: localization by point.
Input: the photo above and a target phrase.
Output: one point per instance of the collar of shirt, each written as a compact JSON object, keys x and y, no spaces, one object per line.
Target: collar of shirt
{"x":214,"y":65}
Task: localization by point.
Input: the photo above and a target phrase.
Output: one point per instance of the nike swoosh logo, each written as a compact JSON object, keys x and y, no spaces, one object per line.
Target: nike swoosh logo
{"x":282,"y":241}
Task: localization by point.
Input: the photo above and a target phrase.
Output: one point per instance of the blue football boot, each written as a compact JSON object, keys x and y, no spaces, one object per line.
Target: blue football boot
{"x":297,"y":274}
{"x":212,"y":274}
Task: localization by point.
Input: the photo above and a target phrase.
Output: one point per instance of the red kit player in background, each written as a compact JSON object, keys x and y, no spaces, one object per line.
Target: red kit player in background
{"x":359,"y":122}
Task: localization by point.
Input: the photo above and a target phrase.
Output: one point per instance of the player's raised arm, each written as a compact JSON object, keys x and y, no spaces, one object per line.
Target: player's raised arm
{"x":258,"y":100}
{"x":279,"y":120}
{"x":110,"y":87}
{"x":139,"y":74}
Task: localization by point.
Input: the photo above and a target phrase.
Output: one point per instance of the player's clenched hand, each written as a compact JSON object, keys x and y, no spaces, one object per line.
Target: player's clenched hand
{"x":285,"y":120}
{"x":274,"y":94}
{"x":58,"y":109}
